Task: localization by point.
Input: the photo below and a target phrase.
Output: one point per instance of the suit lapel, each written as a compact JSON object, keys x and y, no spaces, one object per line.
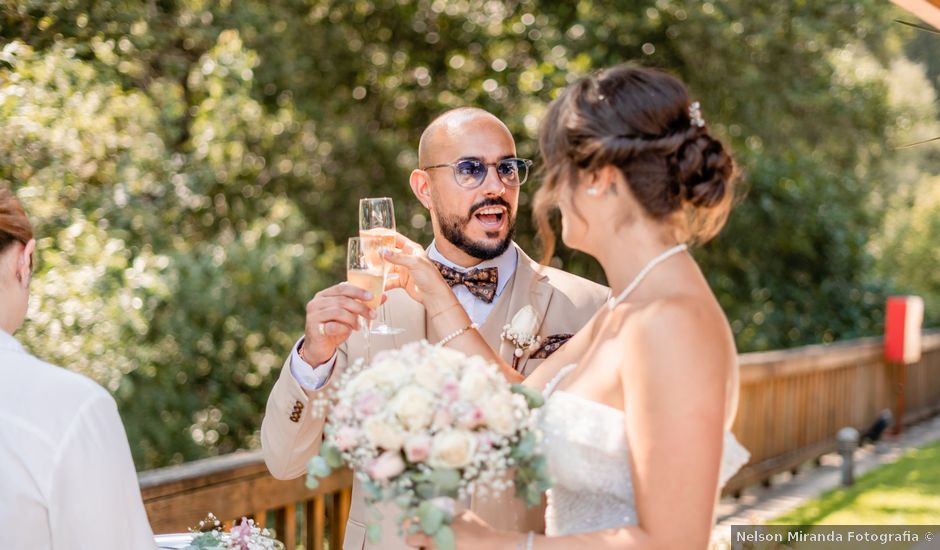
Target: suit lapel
{"x":529,"y":288}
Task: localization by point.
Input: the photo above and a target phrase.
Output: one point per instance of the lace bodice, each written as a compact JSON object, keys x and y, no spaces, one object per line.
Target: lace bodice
{"x":588,"y":460}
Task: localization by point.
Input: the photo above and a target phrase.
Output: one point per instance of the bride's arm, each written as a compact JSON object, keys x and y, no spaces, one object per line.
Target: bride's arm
{"x":675,"y":364}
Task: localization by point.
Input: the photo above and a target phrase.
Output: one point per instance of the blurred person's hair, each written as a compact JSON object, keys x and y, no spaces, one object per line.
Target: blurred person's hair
{"x":642,"y":121}
{"x":14,"y":225}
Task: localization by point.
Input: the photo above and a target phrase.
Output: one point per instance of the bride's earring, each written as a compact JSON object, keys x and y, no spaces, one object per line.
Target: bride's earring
{"x":592,"y":191}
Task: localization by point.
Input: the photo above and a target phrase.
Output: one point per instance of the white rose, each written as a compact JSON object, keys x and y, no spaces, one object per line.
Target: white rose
{"x":413,"y":407}
{"x":524,"y":322}
{"x":452,"y":449}
{"x":428,"y":377}
{"x":383,"y":435}
{"x":474,"y":384}
{"x":499,"y":414}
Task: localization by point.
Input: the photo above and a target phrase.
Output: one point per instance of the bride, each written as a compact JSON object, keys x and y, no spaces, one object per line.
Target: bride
{"x":640,"y":401}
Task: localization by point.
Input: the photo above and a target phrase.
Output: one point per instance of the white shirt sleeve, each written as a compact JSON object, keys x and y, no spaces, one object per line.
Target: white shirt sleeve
{"x":309,"y":377}
{"x":94,"y":499}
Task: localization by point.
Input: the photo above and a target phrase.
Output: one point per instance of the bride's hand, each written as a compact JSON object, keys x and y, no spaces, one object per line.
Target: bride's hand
{"x":470,"y":533}
{"x":417,"y":275}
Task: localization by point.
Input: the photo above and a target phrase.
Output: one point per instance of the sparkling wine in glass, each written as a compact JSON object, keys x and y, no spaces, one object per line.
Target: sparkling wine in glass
{"x":377,"y":234}
{"x":368,"y":276}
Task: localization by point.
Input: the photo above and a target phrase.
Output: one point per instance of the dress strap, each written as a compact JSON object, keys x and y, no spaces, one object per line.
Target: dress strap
{"x":559,"y":376}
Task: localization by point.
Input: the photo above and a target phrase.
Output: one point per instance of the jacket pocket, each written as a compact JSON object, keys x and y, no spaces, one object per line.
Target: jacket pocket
{"x":355,"y":538}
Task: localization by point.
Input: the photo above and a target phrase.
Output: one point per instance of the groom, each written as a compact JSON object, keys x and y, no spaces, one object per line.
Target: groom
{"x":469,"y":179}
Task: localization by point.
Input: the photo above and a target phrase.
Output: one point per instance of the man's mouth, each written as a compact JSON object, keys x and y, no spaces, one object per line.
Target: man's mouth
{"x":491,"y":217}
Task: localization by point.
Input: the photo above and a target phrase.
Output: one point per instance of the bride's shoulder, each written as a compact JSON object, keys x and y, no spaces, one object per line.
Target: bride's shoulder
{"x":679,"y":330}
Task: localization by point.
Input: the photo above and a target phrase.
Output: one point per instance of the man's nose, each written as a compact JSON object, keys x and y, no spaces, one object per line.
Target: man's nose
{"x":493,"y":186}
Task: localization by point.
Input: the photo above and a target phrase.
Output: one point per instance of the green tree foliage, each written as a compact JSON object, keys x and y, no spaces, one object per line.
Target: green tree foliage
{"x":191,"y":166}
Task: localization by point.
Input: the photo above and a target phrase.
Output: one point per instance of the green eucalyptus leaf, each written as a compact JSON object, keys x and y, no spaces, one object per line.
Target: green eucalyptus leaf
{"x":533,"y":398}
{"x":374,"y":533}
{"x":431,"y":517}
{"x":444,"y":538}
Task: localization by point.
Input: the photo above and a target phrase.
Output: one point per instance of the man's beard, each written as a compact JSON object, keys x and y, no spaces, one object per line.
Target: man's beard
{"x":452,"y":229}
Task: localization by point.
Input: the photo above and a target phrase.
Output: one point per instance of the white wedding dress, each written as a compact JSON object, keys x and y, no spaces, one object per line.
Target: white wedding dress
{"x":589,"y":463}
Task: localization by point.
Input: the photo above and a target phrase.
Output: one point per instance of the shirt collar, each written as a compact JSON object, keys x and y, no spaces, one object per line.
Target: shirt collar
{"x":505,"y":264}
{"x":8,"y":342}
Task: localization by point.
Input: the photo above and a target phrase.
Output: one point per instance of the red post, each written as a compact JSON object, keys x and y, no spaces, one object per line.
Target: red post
{"x":904,"y":316}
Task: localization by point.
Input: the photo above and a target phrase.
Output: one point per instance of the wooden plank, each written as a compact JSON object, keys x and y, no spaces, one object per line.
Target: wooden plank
{"x":315,"y":523}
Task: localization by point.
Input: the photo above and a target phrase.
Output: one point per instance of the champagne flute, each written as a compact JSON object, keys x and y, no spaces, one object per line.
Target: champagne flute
{"x":377,"y":233}
{"x":368,"y":276}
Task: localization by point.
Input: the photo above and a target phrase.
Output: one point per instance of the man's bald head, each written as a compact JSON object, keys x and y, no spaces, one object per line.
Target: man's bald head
{"x":451,"y":125}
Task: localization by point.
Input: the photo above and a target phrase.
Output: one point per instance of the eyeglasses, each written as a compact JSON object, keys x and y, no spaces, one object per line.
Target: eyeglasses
{"x":470,"y":174}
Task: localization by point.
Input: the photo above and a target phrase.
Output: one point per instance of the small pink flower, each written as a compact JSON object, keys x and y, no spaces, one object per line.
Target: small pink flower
{"x":451,"y":391}
{"x":388,"y":465}
{"x":368,"y":404}
{"x":341,"y":412}
{"x":442,"y":419}
{"x":242,"y":533}
{"x":418,"y":447}
{"x":347,"y":437}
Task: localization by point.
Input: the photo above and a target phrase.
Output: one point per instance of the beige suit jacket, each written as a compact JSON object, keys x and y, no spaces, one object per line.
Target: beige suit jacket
{"x":564,"y":304}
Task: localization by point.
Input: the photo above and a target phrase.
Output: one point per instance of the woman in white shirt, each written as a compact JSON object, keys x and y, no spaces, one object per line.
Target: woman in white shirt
{"x":67,"y":480}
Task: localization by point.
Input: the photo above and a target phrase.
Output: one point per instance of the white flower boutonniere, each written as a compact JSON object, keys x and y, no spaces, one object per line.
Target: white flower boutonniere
{"x":521,"y":332}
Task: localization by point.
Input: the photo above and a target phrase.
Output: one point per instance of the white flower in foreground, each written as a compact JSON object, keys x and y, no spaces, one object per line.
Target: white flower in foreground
{"x":414,"y":408}
{"x":474,"y":384}
{"x":499,"y":414}
{"x":452,"y":449}
{"x":383,"y":435}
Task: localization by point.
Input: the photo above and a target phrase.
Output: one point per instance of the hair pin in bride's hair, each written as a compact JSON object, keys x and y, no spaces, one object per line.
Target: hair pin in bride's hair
{"x":695,"y":113}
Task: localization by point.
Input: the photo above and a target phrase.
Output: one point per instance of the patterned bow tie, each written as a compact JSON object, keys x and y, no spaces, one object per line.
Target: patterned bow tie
{"x":480,"y":282}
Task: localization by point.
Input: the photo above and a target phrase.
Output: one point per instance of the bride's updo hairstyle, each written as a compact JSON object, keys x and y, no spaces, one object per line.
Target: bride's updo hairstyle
{"x":641,"y":121}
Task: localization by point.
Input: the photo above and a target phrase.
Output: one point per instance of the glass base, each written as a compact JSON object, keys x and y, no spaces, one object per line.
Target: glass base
{"x":386,"y":330}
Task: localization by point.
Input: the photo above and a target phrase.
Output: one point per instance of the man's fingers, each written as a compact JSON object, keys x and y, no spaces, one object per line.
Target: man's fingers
{"x":347,"y":290}
{"x":353,"y":306}
{"x":337,"y":314}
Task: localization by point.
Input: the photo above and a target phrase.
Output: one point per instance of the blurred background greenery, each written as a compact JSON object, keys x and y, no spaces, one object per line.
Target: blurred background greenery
{"x":193,"y":167}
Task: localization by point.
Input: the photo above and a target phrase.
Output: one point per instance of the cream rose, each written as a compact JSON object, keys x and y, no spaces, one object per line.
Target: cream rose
{"x":413,"y":407}
{"x":383,"y":434}
{"x":524,"y":322}
{"x":500,"y":415}
{"x":452,"y":449}
{"x":474,"y":384}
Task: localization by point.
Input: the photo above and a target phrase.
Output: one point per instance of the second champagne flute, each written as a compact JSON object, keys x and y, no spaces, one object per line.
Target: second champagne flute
{"x":377,"y":232}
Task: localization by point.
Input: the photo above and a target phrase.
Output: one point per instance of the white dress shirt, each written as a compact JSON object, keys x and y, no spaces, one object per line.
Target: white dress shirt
{"x":67,"y":481}
{"x":313,"y":378}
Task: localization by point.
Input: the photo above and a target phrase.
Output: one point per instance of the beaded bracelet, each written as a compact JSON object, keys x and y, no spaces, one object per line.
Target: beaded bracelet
{"x":456,"y":333}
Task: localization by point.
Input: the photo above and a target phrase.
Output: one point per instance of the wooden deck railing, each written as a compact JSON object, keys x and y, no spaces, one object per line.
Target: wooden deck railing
{"x":792,"y":404}
{"x":238,"y":485}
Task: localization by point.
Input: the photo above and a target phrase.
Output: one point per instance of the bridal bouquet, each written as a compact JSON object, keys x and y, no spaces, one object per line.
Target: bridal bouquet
{"x":424,"y":425}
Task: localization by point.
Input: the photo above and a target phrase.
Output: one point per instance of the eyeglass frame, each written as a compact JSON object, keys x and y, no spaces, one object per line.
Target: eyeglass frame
{"x":453,"y":165}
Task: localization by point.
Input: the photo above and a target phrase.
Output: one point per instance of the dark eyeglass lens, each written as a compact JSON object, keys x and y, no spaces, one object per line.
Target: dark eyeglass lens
{"x":513,"y":171}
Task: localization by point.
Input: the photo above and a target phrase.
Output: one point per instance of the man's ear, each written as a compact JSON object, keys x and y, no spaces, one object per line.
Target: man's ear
{"x":421,"y":187}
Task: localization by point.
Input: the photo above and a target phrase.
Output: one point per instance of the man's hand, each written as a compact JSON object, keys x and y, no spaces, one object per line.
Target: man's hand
{"x":332,"y":315}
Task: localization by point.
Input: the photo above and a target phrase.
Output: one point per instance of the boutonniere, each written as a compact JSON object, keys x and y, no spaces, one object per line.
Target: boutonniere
{"x":521,"y":332}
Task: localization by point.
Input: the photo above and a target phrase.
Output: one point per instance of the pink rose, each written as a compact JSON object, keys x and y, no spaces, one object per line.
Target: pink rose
{"x":418,"y":447}
{"x":389,"y":464}
{"x":451,"y":391}
{"x":368,"y":404}
{"x":242,"y":533}
{"x":347,"y":437}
